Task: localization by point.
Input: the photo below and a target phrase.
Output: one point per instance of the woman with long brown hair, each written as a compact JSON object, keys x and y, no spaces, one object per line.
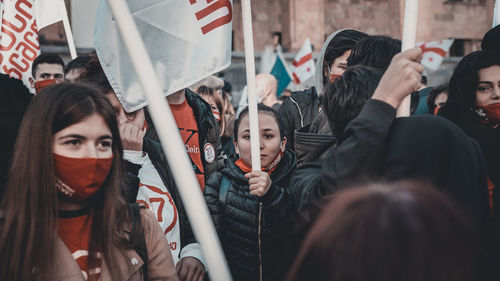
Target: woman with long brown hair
{"x":62,"y":216}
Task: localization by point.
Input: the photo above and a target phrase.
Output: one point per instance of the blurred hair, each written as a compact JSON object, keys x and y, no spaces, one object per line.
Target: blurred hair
{"x":45,"y":58}
{"x":341,"y":43}
{"x":207,"y":93}
{"x":78,"y":63}
{"x":389,"y":232}
{"x":433,"y":95}
{"x":463,"y":85}
{"x":261,"y":108}
{"x":28,"y":229}
{"x":344,"y":99}
{"x":94,"y":75}
{"x":375,"y":51}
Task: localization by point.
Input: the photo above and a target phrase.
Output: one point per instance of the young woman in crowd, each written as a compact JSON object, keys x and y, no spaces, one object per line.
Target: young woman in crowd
{"x":214,"y":99}
{"x":62,"y":214}
{"x":437,"y":98}
{"x":154,"y":188}
{"x":474,"y":105}
{"x":252,"y":210}
{"x":396,"y":232}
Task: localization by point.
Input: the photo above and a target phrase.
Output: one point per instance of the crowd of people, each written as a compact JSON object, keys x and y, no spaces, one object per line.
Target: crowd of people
{"x":347,"y":191}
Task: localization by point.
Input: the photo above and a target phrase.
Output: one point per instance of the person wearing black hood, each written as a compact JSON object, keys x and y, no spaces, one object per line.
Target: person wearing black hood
{"x":303,"y":107}
{"x":376,"y":52}
{"x":375,"y":146}
{"x":474,"y":105}
{"x":253,"y":211}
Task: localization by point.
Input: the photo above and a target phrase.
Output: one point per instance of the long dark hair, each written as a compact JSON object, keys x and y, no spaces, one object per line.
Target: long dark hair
{"x":397,"y":232}
{"x":463,"y":85}
{"x":30,"y":203}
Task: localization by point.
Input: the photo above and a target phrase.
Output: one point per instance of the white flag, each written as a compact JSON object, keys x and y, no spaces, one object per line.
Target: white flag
{"x":20,"y":22}
{"x":186,"y":41}
{"x":433,"y":53}
{"x":303,"y":64}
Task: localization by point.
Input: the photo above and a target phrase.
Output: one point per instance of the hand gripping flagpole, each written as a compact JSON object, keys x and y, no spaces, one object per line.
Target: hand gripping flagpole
{"x":408,"y":42}
{"x":252,"y":96}
{"x":172,"y":144}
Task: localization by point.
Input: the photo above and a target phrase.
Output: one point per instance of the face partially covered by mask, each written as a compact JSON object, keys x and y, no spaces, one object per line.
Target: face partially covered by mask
{"x":80,"y":178}
{"x":83,"y":157}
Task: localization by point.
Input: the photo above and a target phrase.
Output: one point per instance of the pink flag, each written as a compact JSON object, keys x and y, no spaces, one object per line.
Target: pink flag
{"x":303,"y":64}
{"x":20,"y":22}
{"x":434,"y":53}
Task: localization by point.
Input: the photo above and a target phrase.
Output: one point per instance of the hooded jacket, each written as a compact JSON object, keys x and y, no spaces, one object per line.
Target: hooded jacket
{"x":255,"y":232}
{"x":302,"y":107}
{"x":378,"y":147}
{"x":128,"y":262}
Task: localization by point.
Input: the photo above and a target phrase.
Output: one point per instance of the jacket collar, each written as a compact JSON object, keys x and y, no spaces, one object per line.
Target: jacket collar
{"x":127,"y":263}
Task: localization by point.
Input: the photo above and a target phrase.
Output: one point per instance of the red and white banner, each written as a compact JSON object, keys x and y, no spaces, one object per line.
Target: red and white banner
{"x":187,"y":41}
{"x":20,"y":22}
{"x":433,"y":53}
{"x":303,"y":64}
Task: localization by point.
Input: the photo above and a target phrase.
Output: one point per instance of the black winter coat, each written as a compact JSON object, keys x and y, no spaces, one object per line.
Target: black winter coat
{"x":256,"y":233}
{"x":298,"y":111}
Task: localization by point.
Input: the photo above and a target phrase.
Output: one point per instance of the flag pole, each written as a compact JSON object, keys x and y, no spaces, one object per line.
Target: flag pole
{"x":69,"y":33}
{"x":496,"y":14}
{"x":252,"y":96}
{"x":408,"y":42}
{"x":172,"y":143}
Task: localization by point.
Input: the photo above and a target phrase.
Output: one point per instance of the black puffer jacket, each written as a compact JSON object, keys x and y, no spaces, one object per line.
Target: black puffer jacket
{"x":256,"y":233}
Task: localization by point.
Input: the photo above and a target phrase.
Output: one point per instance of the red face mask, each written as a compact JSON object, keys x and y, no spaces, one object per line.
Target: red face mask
{"x":334,"y":76}
{"x":80,"y":178}
{"x":216,"y":115}
{"x":39,"y":85}
{"x":489,"y":114}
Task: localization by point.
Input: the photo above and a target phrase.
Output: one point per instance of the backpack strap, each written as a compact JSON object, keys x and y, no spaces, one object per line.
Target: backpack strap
{"x":141,"y":249}
{"x":224,"y":191}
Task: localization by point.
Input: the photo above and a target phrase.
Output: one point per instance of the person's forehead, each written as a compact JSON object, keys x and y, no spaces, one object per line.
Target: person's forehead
{"x":51,"y":68}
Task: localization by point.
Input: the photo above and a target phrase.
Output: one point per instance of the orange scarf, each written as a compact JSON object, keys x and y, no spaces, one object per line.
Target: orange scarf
{"x":248,"y":169}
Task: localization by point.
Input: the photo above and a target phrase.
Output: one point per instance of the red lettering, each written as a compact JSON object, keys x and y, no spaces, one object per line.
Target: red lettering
{"x":34,"y":43}
{"x":160,"y":209}
{"x":12,"y":39}
{"x":19,"y":29}
{"x":220,"y":4}
{"x":173,"y":245}
{"x":24,"y":12}
{"x":12,"y":72}
{"x":15,"y":64}
{"x":28,"y":53}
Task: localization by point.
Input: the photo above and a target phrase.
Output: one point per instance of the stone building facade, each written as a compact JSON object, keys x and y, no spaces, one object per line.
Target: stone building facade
{"x":296,"y":20}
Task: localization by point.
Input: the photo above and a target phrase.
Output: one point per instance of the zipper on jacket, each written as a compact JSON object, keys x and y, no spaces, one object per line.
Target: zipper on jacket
{"x":259,"y":231}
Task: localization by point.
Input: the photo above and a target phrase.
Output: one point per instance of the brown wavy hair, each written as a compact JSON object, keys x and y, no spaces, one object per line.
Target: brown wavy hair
{"x":403,"y":231}
{"x":30,"y":204}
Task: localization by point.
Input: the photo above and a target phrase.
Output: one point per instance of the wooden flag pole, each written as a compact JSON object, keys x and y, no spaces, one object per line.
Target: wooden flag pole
{"x":67,"y":30}
{"x":172,"y":143}
{"x":252,"y":96}
{"x":408,"y":42}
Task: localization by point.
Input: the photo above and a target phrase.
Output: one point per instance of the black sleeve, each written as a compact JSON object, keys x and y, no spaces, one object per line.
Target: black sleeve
{"x":132,"y":181}
{"x":287,"y":114}
{"x":211,"y":194}
{"x":359,"y":156}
